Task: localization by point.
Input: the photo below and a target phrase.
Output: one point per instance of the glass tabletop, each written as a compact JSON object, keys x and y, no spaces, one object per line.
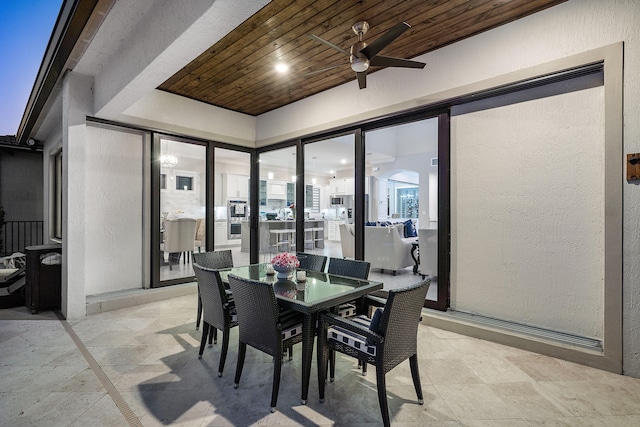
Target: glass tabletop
{"x":319,"y":290}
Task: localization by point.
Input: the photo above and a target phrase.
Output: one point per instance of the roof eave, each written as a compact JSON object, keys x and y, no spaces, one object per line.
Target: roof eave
{"x":73,"y":30}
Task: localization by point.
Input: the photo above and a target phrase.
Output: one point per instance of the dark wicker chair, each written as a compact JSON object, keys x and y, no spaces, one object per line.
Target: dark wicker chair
{"x":264,"y":326}
{"x":219,"y":310}
{"x":213,"y":259}
{"x":385,"y":345}
{"x":312,"y":262}
{"x":349,"y":267}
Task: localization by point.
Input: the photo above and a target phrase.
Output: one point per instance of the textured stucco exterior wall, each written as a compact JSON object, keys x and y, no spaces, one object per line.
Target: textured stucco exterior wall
{"x":77,"y":98}
{"x":527,"y":212}
{"x":113,"y":210}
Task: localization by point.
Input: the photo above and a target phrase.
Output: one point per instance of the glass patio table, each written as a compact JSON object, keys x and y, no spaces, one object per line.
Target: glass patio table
{"x":319,"y":292}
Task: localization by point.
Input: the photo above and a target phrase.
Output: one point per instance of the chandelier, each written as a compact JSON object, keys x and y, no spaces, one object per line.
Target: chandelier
{"x":168,"y":160}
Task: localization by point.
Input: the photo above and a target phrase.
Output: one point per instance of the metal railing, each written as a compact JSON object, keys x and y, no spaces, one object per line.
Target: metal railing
{"x":16,"y":235}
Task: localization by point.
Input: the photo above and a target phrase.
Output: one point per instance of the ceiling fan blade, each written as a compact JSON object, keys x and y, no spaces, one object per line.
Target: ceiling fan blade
{"x":388,"y":61}
{"x":331,"y":45}
{"x":362,"y":79}
{"x":381,"y":42}
{"x":331,"y":67}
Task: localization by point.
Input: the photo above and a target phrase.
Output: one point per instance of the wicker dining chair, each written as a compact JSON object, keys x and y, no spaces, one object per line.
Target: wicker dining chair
{"x":219,"y":310}
{"x":211,"y":259}
{"x":350,"y":268}
{"x":385,"y":340}
{"x":312,"y":262}
{"x":263,"y":326}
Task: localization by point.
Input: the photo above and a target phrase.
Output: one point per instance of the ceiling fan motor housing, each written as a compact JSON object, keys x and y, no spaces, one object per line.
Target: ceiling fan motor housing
{"x":359,"y":62}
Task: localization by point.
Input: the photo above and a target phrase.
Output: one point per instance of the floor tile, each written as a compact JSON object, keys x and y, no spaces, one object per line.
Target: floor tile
{"x":149,"y":355}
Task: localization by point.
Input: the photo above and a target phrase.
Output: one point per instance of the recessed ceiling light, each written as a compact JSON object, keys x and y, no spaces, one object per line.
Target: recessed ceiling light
{"x":343,"y":161}
{"x":281,"y":67}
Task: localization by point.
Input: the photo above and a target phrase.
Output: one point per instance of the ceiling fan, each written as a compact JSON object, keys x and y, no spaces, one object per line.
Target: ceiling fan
{"x":363,"y":55}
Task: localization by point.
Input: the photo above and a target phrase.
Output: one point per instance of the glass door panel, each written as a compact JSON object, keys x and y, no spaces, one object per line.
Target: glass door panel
{"x":277,"y":189}
{"x":329,"y":167}
{"x":231,"y":203}
{"x":402,"y":194}
{"x":182,"y":206}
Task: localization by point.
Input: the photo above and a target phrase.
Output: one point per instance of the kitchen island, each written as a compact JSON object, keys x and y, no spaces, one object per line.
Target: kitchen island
{"x":280,"y":234}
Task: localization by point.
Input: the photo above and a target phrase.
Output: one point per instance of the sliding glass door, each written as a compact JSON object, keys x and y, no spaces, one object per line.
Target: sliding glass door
{"x":401,"y":205}
{"x":329,"y":179}
{"x":277,"y":210}
{"x":182,"y":206}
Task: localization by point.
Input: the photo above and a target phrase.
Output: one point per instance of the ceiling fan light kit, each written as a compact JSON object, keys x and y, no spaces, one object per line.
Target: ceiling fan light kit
{"x":363,"y":55}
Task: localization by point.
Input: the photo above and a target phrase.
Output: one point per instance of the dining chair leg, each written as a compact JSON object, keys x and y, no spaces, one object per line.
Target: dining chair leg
{"x":332,"y":365}
{"x":277,"y":367}
{"x":242,"y":350}
{"x":223,"y":352}
{"x":382,"y":396}
{"x":212,"y":331}
{"x":203,"y":341}
{"x":215,"y":336}
{"x":199,"y":311}
{"x":415,"y":374}
{"x":322,"y":370}
{"x":364,"y":369}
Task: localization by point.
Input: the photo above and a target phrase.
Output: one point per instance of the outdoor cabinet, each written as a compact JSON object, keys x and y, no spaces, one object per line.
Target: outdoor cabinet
{"x":43,"y":287}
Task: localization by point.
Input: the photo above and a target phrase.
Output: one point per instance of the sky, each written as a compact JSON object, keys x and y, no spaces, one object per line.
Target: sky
{"x":25,"y":29}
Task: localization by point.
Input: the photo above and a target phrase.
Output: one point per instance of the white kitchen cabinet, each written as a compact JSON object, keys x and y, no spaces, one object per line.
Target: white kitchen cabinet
{"x":217,"y":190}
{"x":220,"y":230}
{"x":333,"y":230}
{"x":237,"y":186}
{"x":341,"y":186}
{"x":349,"y":186}
{"x":336,"y":186}
{"x":276,"y":190}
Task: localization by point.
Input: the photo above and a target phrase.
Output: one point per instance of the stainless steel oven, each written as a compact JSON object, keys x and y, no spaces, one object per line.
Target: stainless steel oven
{"x":237,"y":211}
{"x":235,"y":229}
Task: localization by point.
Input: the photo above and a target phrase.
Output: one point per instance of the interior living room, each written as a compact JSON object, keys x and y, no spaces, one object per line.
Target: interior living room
{"x":491,"y":160}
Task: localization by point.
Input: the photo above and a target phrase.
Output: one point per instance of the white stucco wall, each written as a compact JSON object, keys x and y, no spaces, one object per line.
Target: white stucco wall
{"x":113,"y":210}
{"x":175,"y":113}
{"x":527,"y":212}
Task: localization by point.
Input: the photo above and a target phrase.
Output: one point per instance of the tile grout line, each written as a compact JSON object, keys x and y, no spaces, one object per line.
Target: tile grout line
{"x":116,"y":397}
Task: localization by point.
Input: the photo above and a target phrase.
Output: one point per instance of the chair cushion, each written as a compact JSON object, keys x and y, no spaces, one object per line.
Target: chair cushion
{"x":375,"y":320}
{"x":291,"y":331}
{"x":347,"y":310}
{"x":352,"y":339}
{"x":410,"y":229}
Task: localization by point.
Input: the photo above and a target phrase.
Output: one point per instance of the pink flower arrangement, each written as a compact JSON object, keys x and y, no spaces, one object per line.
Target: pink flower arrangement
{"x":285,"y":260}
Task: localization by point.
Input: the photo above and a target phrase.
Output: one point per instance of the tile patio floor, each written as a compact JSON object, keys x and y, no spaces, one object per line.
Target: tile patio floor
{"x":143,"y":369}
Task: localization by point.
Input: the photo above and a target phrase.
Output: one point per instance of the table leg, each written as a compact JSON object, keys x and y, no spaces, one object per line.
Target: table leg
{"x":415,"y":254}
{"x":308,"y":336}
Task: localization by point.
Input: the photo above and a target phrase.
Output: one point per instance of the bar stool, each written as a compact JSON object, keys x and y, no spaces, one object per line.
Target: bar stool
{"x":318,"y":237}
{"x":309,"y":238}
{"x":283,"y":237}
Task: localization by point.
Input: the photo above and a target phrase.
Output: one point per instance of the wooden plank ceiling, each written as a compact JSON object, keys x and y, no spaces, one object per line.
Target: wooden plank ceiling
{"x":238,"y":73}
